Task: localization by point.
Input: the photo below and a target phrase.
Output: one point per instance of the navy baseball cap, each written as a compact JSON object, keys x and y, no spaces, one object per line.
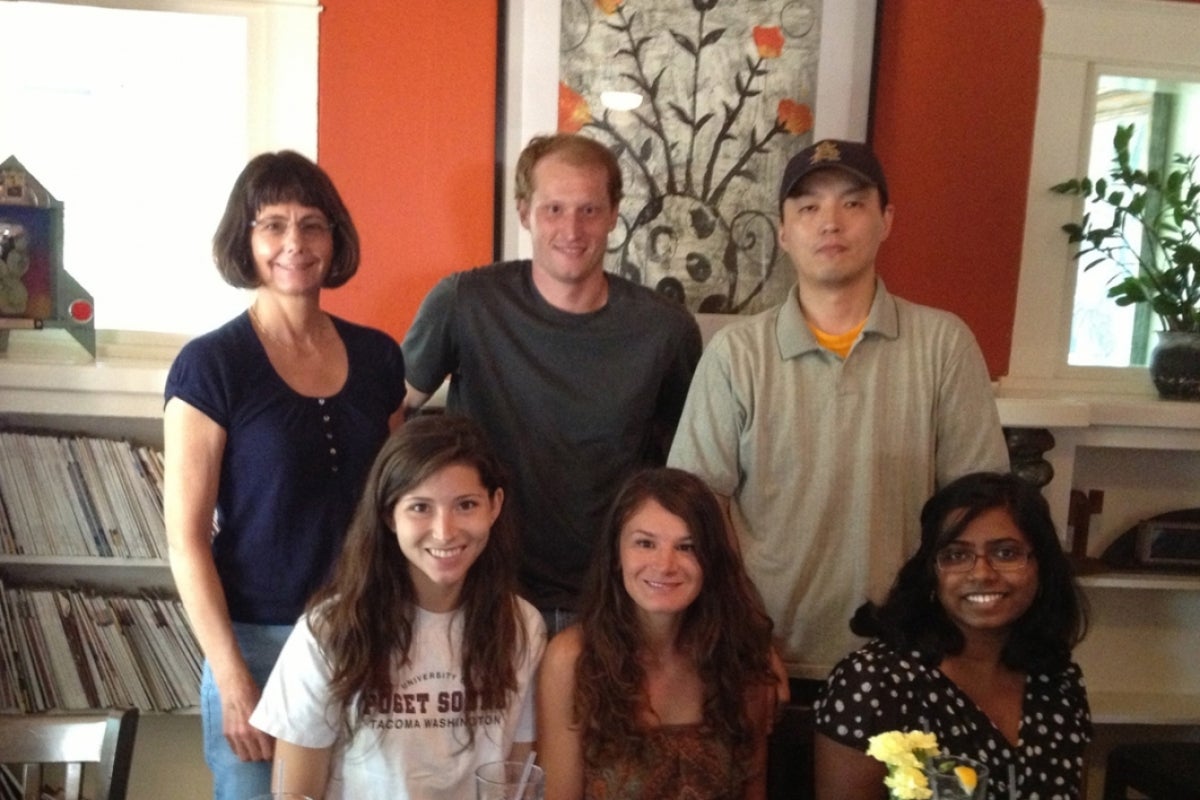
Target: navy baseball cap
{"x":853,"y":157}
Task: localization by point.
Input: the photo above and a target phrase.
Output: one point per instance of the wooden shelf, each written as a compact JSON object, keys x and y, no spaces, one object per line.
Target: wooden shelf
{"x":1094,"y":573}
{"x":1144,"y":708}
{"x":128,"y":390}
{"x":1119,"y":579}
{"x":1031,"y":409}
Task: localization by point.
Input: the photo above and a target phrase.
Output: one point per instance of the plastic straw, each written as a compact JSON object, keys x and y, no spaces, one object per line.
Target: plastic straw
{"x":525,"y":774}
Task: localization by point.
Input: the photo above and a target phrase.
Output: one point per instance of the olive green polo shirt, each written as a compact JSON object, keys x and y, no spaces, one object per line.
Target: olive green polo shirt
{"x":827,"y":462}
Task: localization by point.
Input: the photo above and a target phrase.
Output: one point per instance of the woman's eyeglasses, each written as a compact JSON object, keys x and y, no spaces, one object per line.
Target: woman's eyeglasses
{"x":1001,"y":556}
{"x":277,"y":227}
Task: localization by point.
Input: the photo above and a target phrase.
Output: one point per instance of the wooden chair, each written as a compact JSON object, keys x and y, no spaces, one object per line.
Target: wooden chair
{"x":103,"y":739}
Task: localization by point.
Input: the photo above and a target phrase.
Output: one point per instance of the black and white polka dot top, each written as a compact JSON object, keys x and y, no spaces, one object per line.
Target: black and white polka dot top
{"x":877,"y":689}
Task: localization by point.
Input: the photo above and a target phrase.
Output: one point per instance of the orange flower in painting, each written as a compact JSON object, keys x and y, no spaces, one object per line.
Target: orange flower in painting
{"x":609,"y":6}
{"x":573,"y":111}
{"x":769,"y":41}
{"x":797,"y":118}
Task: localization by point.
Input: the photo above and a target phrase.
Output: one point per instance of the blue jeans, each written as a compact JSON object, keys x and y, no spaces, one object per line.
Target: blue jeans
{"x":234,"y":779}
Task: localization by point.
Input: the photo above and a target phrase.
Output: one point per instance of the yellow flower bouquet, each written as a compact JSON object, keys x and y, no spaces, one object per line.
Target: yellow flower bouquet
{"x":912,"y":759}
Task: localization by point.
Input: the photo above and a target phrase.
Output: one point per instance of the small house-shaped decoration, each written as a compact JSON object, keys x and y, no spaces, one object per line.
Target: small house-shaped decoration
{"x":35,"y":291}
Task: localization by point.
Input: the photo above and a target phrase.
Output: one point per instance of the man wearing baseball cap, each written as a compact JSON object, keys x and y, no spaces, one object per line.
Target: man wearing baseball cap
{"x":826,"y":423}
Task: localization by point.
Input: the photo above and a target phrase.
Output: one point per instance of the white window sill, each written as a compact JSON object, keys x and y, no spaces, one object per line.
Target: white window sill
{"x":48,"y":373}
{"x":1065,"y":408}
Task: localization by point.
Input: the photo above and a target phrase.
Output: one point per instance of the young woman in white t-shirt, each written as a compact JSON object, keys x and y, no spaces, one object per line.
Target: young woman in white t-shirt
{"x":414,"y":663}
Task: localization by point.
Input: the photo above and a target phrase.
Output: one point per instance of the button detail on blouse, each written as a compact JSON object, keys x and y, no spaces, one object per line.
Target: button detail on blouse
{"x":327,"y":425}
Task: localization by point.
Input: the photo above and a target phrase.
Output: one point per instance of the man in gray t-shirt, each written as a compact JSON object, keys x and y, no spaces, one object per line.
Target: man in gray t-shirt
{"x":578,"y":376}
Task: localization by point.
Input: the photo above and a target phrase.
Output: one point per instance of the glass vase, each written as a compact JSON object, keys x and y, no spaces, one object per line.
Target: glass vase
{"x":957,"y":778}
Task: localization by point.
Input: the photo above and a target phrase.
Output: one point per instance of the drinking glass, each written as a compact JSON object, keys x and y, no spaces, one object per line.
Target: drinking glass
{"x":957,"y":778}
{"x":501,"y":780}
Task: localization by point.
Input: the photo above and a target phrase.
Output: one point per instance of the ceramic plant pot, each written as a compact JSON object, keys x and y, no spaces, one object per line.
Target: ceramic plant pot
{"x":1175,"y":365}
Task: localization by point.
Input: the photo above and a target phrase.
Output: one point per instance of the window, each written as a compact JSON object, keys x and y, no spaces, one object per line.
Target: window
{"x":1141,"y":50}
{"x":1166,"y":119}
{"x":138,"y":117}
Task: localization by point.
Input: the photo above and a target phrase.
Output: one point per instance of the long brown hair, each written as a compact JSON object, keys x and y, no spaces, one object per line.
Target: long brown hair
{"x":725,"y":629}
{"x":363,"y":617}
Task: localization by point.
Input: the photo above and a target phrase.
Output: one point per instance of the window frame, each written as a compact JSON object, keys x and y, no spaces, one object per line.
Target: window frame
{"x":281,"y":113}
{"x":1080,"y":40}
{"x":282,"y":63}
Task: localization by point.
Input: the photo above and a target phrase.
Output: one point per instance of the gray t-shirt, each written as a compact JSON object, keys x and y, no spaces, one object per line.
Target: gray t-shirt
{"x":572,"y":402}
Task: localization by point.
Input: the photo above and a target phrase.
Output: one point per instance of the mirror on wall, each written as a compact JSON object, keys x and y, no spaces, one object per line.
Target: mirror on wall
{"x":1165,"y":114}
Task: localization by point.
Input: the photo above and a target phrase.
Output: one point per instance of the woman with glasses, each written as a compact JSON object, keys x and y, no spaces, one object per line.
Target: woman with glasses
{"x":972,"y":644}
{"x":271,"y":421}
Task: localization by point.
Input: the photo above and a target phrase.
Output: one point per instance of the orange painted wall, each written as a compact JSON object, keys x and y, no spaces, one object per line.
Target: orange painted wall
{"x":406,"y":123}
{"x":406,"y":131}
{"x":954,"y":110}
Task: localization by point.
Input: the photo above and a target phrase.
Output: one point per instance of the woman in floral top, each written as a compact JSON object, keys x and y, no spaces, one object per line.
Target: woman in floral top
{"x":972,"y":644}
{"x":663,"y":690}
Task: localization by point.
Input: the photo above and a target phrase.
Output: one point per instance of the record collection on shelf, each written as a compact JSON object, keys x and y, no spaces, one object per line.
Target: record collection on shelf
{"x":80,"y":496}
{"x":66,"y":644}
{"x":71,"y":649}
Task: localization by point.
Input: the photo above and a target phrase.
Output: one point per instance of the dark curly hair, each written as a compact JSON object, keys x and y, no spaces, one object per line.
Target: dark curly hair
{"x":372,"y":574}
{"x":283,"y":177}
{"x":911,"y":618}
{"x":725,"y":629}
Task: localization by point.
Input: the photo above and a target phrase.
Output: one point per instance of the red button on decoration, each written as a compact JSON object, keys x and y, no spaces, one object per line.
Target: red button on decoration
{"x":80,"y":310}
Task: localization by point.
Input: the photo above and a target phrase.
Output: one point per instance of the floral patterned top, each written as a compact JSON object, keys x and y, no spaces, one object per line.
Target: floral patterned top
{"x":678,"y":762}
{"x":878,"y":689}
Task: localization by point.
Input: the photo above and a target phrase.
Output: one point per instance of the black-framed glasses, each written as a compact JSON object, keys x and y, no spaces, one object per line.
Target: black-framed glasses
{"x":1001,"y":556}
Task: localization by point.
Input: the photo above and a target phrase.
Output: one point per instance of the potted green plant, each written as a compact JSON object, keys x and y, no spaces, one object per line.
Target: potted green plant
{"x":1165,"y":207}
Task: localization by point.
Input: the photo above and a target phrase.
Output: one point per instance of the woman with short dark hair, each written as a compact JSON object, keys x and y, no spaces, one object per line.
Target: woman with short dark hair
{"x":282,"y":177}
{"x":271,"y":422}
